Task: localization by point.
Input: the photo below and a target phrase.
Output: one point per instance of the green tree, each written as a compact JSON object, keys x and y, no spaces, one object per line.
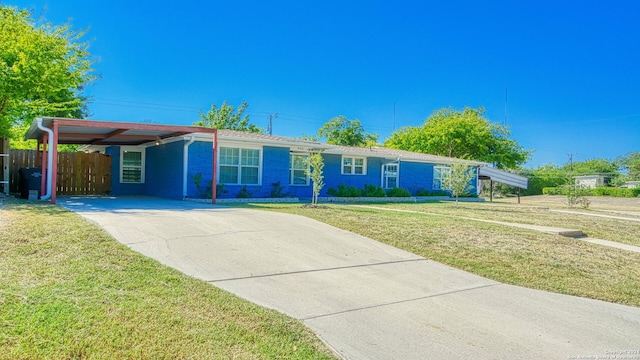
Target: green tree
{"x":342,"y":131}
{"x":316,"y":165}
{"x":226,"y":117}
{"x":604,"y":167}
{"x":630,"y":163}
{"x":458,"y":179}
{"x":465,"y":134}
{"x":43,"y":70}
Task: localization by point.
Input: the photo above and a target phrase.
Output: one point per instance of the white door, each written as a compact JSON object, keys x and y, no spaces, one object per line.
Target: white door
{"x":389,"y":176}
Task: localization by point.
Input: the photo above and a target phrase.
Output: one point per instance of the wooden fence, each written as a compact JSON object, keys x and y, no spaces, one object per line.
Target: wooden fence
{"x":78,"y":173}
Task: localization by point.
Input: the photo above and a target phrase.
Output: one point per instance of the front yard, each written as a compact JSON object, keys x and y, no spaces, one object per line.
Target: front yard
{"x":68,"y":290}
{"x":510,"y":255}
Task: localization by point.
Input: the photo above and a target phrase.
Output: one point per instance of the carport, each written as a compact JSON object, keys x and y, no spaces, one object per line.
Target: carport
{"x":50,"y":131}
{"x":492,"y":174}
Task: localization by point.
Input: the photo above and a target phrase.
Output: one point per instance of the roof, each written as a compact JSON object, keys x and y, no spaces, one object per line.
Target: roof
{"x":369,"y":151}
{"x":96,"y":132}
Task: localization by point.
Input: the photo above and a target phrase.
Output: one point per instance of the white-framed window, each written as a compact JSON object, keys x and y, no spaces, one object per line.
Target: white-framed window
{"x":439,"y":174}
{"x":239,"y":166}
{"x":132,"y":165}
{"x":354,"y":165}
{"x":299,"y":169}
{"x":390,"y":176}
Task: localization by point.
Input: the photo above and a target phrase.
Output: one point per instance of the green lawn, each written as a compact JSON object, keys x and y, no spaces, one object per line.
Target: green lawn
{"x":627,"y":232}
{"x":507,"y":254}
{"x":69,"y":290}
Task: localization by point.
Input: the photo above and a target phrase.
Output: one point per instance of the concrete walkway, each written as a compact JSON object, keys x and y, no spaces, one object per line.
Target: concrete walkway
{"x":365,"y":299}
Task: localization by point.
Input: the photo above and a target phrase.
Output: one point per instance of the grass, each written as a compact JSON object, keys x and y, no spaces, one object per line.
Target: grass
{"x":506,"y":254}
{"x":68,"y":290}
{"x":626,"y":232}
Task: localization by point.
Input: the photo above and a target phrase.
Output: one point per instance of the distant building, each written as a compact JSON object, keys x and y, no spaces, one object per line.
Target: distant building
{"x":589,"y":181}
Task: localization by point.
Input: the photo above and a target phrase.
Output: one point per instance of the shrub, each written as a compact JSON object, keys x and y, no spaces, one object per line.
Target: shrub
{"x":244,"y":193}
{"x":616,"y":192}
{"x":599,"y":191}
{"x":344,"y":191}
{"x":398,"y":192}
{"x":277,"y":190}
{"x":372,"y":191}
{"x":425,"y":192}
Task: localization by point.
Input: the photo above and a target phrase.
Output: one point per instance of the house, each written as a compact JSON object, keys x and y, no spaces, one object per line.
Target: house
{"x":589,"y":181}
{"x":180,"y":162}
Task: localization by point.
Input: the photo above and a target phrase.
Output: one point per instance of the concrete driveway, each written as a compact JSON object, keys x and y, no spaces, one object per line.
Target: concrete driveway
{"x":365,"y":299}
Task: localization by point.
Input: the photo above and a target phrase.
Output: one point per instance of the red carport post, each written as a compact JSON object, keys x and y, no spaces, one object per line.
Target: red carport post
{"x":214,"y":181}
{"x":42,"y":156}
{"x":54,"y":165}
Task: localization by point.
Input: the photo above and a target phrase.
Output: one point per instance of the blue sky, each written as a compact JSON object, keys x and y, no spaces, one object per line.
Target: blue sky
{"x":571,"y":68}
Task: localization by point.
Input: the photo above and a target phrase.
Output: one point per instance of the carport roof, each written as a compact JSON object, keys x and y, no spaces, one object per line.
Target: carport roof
{"x":96,"y":132}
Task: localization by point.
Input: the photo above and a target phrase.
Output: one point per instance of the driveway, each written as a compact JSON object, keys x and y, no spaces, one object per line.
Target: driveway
{"x":365,"y":299}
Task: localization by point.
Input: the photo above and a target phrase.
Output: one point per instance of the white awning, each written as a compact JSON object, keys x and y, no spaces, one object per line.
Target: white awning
{"x":488,"y":173}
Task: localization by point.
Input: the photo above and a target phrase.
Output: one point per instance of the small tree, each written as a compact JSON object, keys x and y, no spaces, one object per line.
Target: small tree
{"x":458,"y":179}
{"x":316,"y":164}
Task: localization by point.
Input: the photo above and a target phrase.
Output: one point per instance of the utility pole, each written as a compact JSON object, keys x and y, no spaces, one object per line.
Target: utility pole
{"x":271,"y":117}
{"x":505,"y":107}
{"x":571,"y":161}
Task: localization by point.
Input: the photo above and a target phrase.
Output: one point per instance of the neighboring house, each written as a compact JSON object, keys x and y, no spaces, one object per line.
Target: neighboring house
{"x":177,"y":162}
{"x":589,"y":181}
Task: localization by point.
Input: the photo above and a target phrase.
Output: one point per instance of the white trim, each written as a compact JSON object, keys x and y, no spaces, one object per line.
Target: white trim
{"x":143,"y":157}
{"x":235,"y":146}
{"x":353,"y":165}
{"x":306,"y":174}
{"x":433,"y":184}
{"x":383,"y":177}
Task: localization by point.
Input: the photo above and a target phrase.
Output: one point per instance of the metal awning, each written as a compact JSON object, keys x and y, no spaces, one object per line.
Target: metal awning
{"x":488,"y":173}
{"x":50,"y":131}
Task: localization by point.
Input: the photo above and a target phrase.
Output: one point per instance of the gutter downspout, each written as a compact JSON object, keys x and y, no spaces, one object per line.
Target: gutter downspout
{"x":185,"y":164}
{"x":49,"y":158}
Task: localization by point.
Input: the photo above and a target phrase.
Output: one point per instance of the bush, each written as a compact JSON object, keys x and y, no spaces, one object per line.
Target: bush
{"x":277,"y":190}
{"x":616,"y":192}
{"x":599,"y":191}
{"x":244,"y":193}
{"x":554,"y":191}
{"x":372,"y":191}
{"x":398,"y":192}
{"x":344,"y":191}
{"x":425,"y":192}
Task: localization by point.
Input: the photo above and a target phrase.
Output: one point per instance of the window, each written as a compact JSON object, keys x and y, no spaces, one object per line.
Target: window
{"x":439,"y":174}
{"x":132,"y":165}
{"x":354,"y":165}
{"x":239,"y":166}
{"x":390,"y":176}
{"x":298,"y":170}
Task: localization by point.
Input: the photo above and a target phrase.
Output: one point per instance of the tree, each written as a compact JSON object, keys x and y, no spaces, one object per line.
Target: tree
{"x":316,"y":165}
{"x":226,"y":117}
{"x":342,"y":131}
{"x":465,"y":134}
{"x":43,"y":70}
{"x":630,"y":163}
{"x":458,"y":179}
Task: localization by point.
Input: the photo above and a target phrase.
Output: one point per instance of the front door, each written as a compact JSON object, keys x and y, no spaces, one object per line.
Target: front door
{"x":389,"y":176}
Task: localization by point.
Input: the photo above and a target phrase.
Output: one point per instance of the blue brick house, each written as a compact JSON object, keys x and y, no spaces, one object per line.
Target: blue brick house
{"x":180,"y":162}
{"x":258,"y":165}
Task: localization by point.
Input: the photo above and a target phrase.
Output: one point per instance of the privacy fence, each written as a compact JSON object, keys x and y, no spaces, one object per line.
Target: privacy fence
{"x":78,"y":173}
